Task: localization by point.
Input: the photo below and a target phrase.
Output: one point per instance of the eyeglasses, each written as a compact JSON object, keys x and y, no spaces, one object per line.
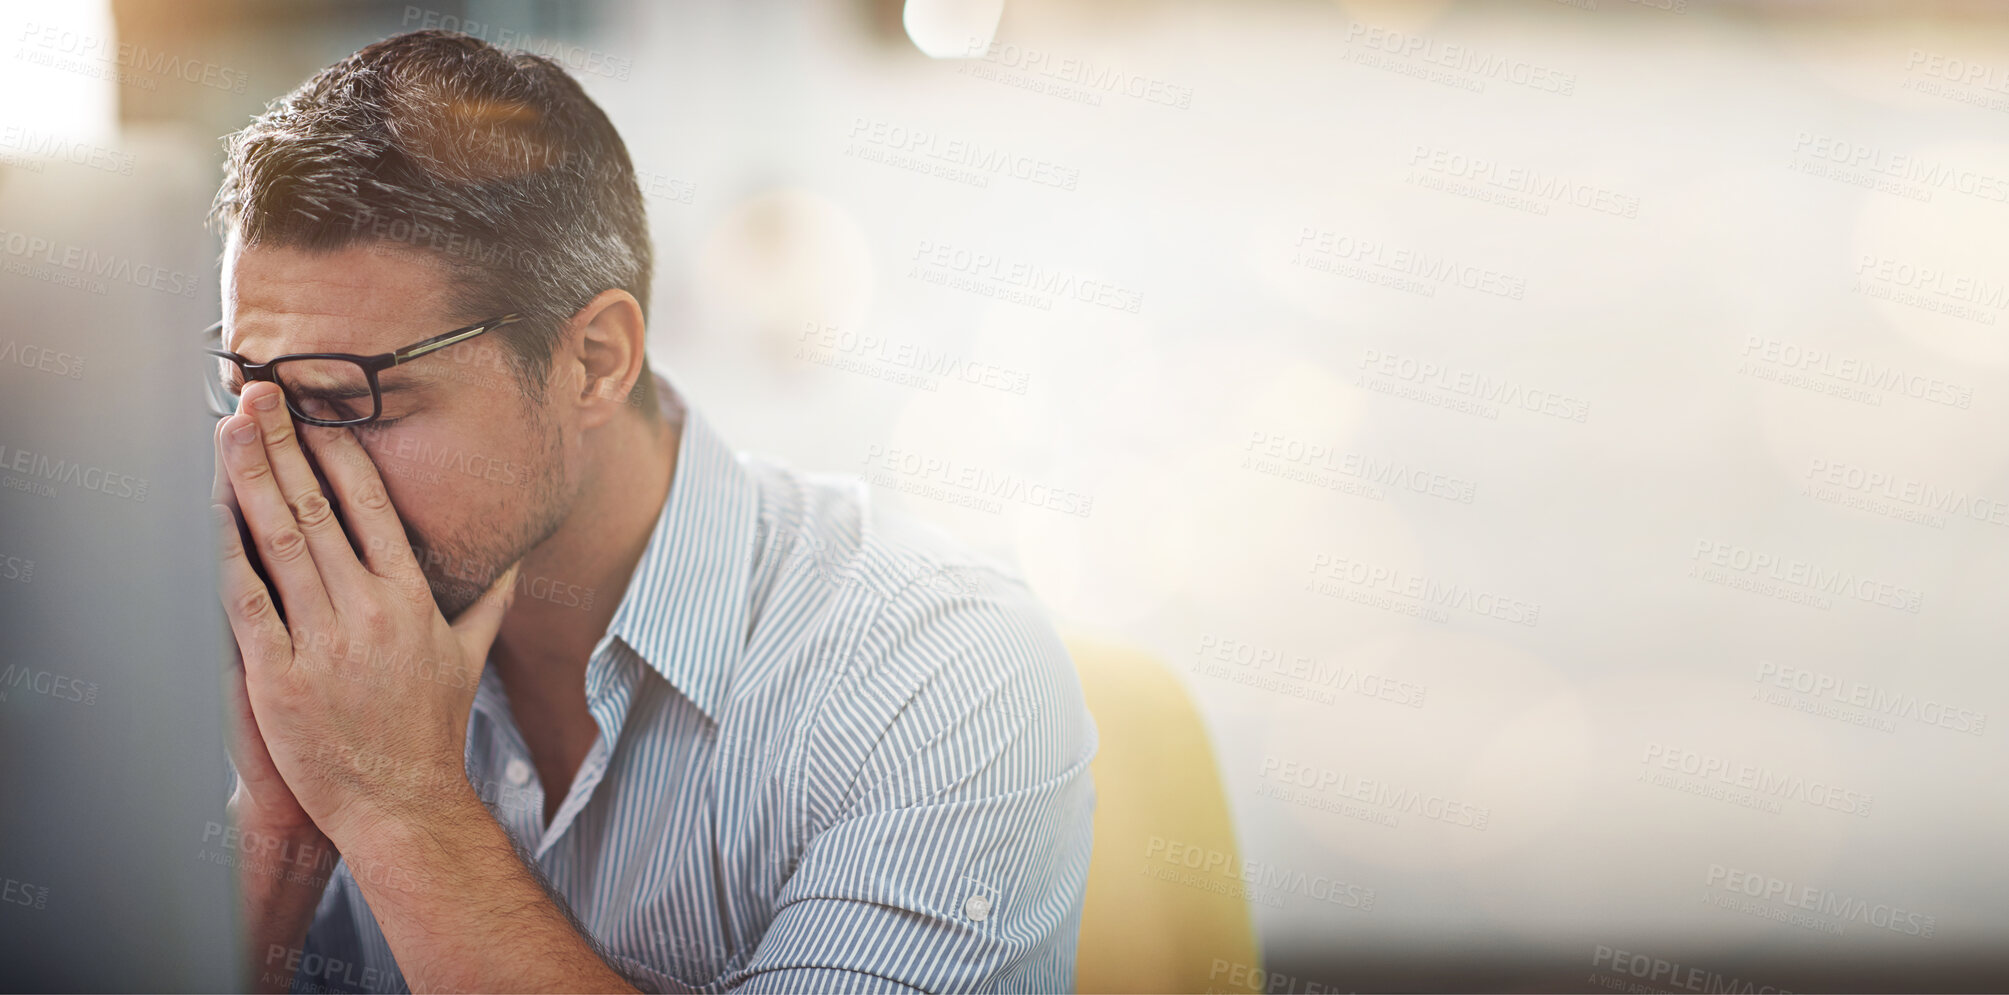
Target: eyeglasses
{"x":346,"y":384}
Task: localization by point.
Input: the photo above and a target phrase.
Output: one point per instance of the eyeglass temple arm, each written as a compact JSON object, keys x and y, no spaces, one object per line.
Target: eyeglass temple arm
{"x":438,"y":342}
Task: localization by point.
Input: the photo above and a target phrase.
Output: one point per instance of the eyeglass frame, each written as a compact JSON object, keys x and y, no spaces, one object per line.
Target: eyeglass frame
{"x":371,"y":365}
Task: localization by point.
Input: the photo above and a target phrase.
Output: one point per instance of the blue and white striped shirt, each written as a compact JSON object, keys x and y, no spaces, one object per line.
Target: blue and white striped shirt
{"x":836,"y":753}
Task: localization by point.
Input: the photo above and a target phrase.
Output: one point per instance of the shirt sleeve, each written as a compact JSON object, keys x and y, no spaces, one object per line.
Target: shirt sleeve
{"x":959,"y":859}
{"x":332,"y":958}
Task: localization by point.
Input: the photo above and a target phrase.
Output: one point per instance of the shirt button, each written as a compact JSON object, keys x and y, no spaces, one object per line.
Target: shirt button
{"x":517,"y":772}
{"x":977,"y":907}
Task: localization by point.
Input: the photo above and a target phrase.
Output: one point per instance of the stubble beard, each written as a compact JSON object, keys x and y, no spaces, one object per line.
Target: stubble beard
{"x":460,"y":568}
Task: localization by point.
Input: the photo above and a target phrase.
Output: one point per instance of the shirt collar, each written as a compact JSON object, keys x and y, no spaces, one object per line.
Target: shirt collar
{"x":685,"y":612}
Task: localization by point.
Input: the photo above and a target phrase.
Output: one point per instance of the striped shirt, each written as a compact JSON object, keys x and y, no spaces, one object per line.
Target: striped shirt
{"x":836,"y":753}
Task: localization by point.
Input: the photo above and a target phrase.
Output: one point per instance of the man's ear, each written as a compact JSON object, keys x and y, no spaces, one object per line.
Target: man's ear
{"x":609,"y":340}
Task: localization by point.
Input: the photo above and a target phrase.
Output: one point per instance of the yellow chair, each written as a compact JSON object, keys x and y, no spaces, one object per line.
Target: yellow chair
{"x":1153,"y":922}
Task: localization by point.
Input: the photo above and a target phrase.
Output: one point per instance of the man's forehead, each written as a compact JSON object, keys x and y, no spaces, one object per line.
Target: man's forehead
{"x":363,"y":298}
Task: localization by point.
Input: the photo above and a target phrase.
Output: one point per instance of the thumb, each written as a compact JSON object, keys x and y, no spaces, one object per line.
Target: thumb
{"x":477,"y":625}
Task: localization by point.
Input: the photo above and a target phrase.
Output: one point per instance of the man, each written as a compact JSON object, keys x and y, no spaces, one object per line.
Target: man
{"x":699,"y":722}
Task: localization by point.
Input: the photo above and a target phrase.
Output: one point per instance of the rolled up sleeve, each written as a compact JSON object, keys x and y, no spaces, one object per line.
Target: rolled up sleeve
{"x":961,"y":854}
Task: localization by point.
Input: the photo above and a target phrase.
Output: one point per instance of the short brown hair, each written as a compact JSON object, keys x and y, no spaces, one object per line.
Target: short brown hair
{"x":496,"y":164}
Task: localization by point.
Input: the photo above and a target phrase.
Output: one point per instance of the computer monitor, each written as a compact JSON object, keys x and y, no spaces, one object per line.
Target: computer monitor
{"x":115,"y":857}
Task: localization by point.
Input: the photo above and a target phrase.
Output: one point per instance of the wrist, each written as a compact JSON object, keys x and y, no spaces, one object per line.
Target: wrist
{"x":275,"y":856}
{"x":250,"y":818}
{"x":391,"y":827}
{"x":416,"y":849}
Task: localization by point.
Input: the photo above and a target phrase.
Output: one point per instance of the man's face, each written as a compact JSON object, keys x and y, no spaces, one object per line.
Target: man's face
{"x":475,"y":468}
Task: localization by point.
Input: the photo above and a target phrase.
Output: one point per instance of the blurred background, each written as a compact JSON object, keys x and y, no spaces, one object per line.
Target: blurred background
{"x":1556,"y":445}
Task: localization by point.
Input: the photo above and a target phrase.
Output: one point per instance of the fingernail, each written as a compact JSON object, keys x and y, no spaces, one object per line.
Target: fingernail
{"x":243,"y":434}
{"x":266,"y":400}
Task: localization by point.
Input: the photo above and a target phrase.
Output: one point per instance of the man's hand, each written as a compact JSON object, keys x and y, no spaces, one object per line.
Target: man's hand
{"x":359,"y":699}
{"x":262,"y":803}
{"x":361,"y":694}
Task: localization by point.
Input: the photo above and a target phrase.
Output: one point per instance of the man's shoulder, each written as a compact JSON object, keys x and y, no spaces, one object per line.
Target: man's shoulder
{"x":911,"y":697}
{"x":912,"y":602}
{"x":827,"y":532}
{"x":909,"y":634}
